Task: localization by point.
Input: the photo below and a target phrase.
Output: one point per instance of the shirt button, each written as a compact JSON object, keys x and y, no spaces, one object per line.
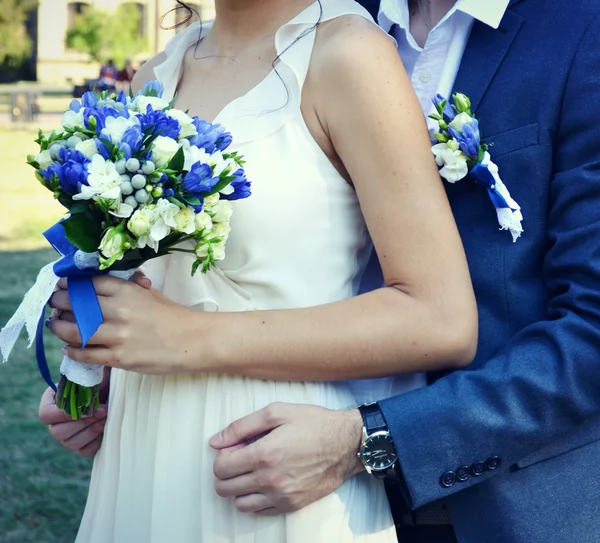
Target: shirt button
{"x":425,"y":77}
{"x":448,"y":479}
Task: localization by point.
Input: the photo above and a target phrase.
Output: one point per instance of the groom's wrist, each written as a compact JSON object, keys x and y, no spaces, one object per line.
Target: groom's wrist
{"x":352,"y":433}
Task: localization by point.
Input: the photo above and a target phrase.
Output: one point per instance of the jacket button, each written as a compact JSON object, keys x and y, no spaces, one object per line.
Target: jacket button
{"x":462,"y":474}
{"x":448,"y":479}
{"x":493,"y":462}
{"x":478,"y":468}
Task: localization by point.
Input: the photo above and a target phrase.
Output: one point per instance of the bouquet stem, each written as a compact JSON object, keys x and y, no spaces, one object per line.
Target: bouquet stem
{"x":77,"y":400}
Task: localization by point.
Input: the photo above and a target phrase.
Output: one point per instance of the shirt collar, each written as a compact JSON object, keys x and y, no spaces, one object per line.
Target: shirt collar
{"x":489,"y":12}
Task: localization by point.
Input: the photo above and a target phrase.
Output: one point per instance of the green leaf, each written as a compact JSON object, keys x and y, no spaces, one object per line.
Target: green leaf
{"x":192,"y":200}
{"x":178,"y":160}
{"x":83,"y":232}
{"x":195,"y":266}
{"x":80,"y":206}
{"x":221,"y":184}
{"x":131,"y":91}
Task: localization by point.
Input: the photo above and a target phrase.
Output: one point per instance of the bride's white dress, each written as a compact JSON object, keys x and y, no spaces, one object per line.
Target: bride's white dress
{"x":299,"y":240}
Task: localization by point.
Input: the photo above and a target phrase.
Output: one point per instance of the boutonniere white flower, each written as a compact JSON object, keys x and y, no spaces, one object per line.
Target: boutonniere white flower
{"x":460,"y":153}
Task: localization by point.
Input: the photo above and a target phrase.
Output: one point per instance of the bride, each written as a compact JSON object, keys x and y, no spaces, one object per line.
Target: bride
{"x":320,"y":106}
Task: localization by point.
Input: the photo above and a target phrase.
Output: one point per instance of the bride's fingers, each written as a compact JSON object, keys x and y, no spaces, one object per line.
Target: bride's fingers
{"x":237,"y":486}
{"x":234,"y":463}
{"x":60,"y":300}
{"x":91,"y":448}
{"x":252,"y":503}
{"x":68,"y":331}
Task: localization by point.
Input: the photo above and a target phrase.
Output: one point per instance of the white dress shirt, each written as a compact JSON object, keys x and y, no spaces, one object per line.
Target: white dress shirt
{"x":432,"y":70}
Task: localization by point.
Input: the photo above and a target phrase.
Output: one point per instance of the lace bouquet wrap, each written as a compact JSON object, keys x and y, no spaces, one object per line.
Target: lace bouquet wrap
{"x":140,"y":180}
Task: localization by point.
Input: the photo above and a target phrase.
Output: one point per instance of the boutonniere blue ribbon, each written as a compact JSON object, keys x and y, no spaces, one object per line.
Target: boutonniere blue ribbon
{"x":460,"y":153}
{"x":79,"y":267}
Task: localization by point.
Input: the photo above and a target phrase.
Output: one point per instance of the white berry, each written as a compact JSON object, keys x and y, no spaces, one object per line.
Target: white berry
{"x":142,"y":196}
{"x":138,"y":181}
{"x":133,"y":165}
{"x":131,"y":201}
{"x":148,"y":167}
{"x":126,"y":188}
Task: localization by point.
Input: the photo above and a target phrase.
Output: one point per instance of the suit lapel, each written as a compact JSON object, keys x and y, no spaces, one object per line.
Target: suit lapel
{"x":484,"y":54}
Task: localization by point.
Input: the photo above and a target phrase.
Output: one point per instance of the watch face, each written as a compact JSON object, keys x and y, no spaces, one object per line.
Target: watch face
{"x":378,"y":451}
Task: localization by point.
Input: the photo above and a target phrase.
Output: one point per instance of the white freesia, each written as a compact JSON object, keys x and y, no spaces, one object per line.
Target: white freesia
{"x":87,"y":148}
{"x":185,"y":221}
{"x":162,"y":222}
{"x":202,"y":250}
{"x":44,"y":160}
{"x":203,"y":222}
{"x":72,"y":119}
{"x":454,"y":163}
{"x":460,"y":120}
{"x":222,"y":230}
{"x":163,"y":150}
{"x":121,"y":210}
{"x":115,"y":127}
{"x":193,"y":155}
{"x":141,"y":221}
{"x":221,"y":211}
{"x":219,"y":251}
{"x":103,"y":181}
{"x":141,"y":103}
{"x":185,"y":122}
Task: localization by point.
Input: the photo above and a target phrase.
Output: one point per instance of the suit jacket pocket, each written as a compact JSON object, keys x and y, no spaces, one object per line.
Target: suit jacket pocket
{"x":586,"y":435}
{"x":513,"y":140}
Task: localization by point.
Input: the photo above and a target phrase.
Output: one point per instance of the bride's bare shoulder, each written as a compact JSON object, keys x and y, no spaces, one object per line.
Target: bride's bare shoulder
{"x":146,"y":71}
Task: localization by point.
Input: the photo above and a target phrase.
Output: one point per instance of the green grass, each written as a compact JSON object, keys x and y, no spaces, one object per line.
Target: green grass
{"x":42,"y":486}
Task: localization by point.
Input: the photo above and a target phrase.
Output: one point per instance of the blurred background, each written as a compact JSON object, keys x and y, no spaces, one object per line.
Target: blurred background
{"x":51,"y":51}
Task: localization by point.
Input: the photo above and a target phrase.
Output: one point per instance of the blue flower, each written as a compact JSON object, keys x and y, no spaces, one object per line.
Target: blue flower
{"x":122,"y":98}
{"x":210,"y":137}
{"x":468,"y":139}
{"x":168,"y":192}
{"x":89,"y":99}
{"x":154,"y":88}
{"x":240,"y":185}
{"x":199,"y":180}
{"x":448,"y":112}
{"x":131,"y":141}
{"x":157,"y":122}
{"x":72,"y":173}
{"x":75,"y":105}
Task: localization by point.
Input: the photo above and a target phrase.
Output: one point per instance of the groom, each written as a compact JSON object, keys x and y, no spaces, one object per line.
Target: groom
{"x":507,"y":451}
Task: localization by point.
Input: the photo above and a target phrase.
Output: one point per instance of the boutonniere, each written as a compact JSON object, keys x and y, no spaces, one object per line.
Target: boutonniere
{"x":460,"y":153}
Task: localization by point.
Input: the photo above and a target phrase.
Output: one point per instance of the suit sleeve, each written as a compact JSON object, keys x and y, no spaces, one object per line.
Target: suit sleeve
{"x":545,"y":382}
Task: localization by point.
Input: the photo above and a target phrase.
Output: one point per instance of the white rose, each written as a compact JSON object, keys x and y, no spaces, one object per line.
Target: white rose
{"x":115,"y":127}
{"x":44,"y":160}
{"x":459,"y":121}
{"x":203,"y":222}
{"x":163,"y":150}
{"x":113,"y":244}
{"x":454,"y":163}
{"x":87,"y":148}
{"x":185,"y":122}
{"x":194,"y":154}
{"x":219,"y":251}
{"x":222,"y":211}
{"x":73,"y":119}
{"x":185,"y":221}
{"x":141,"y":103}
{"x":103,"y":181}
{"x":141,"y":222}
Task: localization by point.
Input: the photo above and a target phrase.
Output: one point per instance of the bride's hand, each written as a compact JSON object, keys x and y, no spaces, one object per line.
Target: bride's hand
{"x":143,"y":330}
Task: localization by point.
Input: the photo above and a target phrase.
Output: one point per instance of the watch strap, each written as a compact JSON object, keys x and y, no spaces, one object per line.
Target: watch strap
{"x":372,"y":418}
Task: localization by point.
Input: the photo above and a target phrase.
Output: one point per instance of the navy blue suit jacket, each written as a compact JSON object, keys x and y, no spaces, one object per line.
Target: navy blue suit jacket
{"x":512,"y":443}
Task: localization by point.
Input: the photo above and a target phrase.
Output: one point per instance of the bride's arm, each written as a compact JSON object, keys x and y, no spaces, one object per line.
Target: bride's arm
{"x":425,"y":316}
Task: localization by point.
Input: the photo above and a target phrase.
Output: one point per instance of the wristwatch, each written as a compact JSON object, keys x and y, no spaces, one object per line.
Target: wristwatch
{"x":377,"y":451}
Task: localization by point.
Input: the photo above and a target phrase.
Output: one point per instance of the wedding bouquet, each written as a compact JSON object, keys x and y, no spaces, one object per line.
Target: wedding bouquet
{"x":460,"y":153}
{"x":140,"y":180}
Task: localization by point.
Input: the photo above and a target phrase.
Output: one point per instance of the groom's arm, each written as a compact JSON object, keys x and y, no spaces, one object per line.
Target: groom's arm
{"x":545,"y":383}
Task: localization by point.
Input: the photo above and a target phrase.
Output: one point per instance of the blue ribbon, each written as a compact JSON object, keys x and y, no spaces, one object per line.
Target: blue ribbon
{"x":482,"y":175}
{"x":84,"y":301}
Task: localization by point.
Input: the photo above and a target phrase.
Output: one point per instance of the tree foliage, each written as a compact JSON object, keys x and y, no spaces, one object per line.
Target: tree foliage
{"x":15,"y":44}
{"x":104,"y":35}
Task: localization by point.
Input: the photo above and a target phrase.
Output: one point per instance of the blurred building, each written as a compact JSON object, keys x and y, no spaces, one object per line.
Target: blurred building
{"x":56,"y":65}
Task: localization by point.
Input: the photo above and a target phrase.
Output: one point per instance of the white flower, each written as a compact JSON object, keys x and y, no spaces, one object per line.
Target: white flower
{"x":202,"y":250}
{"x":121,"y":210}
{"x":114,"y":244}
{"x":194,"y":154}
{"x":219,"y":251}
{"x":185,"y":122}
{"x":162,"y":221}
{"x":221,"y":230}
{"x":87,"y":148}
{"x":203,"y":222}
{"x":141,"y":221}
{"x":221,"y":211}
{"x":72,"y":119}
{"x":44,"y":160}
{"x":167,"y":212}
{"x":460,"y":120}
{"x":185,"y":221}
{"x":218,"y":163}
{"x":163,"y":150}
{"x":103,"y":181}
{"x":115,"y":127}
{"x":454,"y":163}
{"x":141,"y":103}
{"x":211,"y":200}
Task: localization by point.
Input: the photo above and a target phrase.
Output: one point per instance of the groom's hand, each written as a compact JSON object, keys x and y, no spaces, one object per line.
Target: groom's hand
{"x":303,"y":453}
